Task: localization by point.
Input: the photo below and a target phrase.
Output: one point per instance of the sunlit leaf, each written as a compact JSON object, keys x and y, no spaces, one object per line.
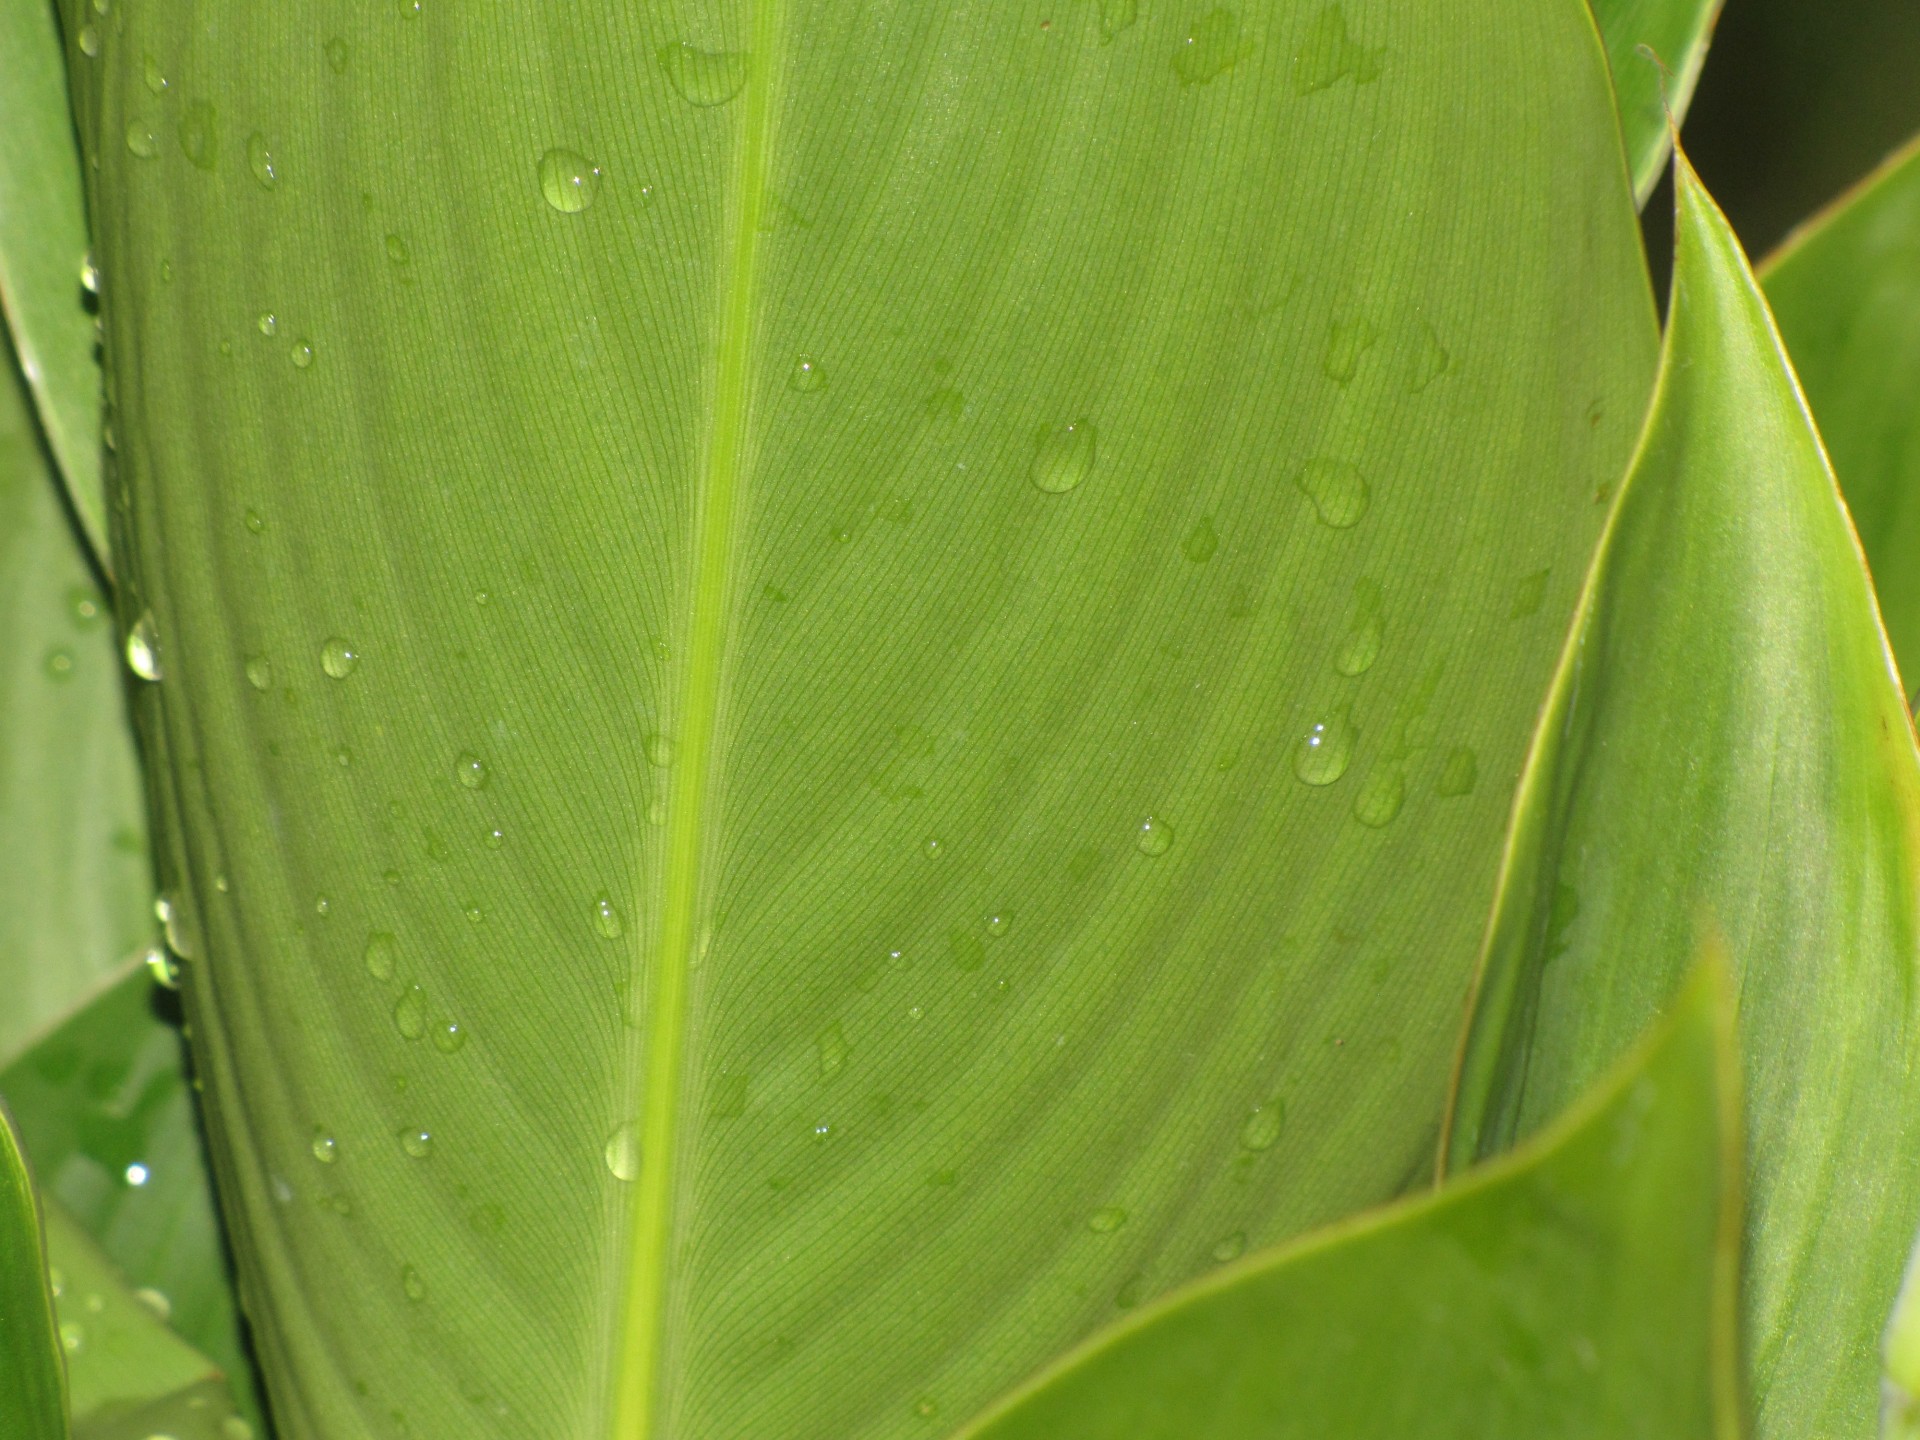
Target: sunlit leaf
{"x":1656,"y":49}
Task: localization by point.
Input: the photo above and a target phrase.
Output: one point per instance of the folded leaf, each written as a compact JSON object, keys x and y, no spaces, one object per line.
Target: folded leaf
{"x":1846,"y":290}
{"x":32,"y":1394}
{"x":801,"y":654}
{"x":1583,"y":1287}
{"x":1726,"y":748}
{"x":44,"y":268}
{"x":1656,"y":49}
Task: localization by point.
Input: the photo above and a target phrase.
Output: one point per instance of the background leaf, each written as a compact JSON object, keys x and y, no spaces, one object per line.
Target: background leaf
{"x":1582,"y":1288}
{"x":32,"y":1398}
{"x":1677,"y":33}
{"x":805,"y":651}
{"x":1725,"y":747}
{"x":43,"y":249}
{"x":1846,"y":290}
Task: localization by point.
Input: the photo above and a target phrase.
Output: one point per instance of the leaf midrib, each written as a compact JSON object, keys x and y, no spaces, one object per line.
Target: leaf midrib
{"x":641,"y":1334}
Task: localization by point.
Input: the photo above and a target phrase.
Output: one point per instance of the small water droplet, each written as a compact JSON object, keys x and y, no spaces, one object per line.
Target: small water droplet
{"x":399,"y":254}
{"x":301,"y":355}
{"x":659,"y":751}
{"x":1063,"y":456}
{"x":1429,"y":360}
{"x":143,"y":648}
{"x":806,"y":376}
{"x":338,"y":657}
{"x":83,"y":604}
{"x":1106,"y":1220}
{"x":704,"y":77}
{"x":171,"y":911}
{"x":1348,"y":339}
{"x":255,"y":521}
{"x":162,"y":967}
{"x":73,"y":1335}
{"x":606,"y":917}
{"x":1458,"y":773}
{"x":475,"y":914}
{"x":1201,"y":542}
{"x":1214,"y":45}
{"x":1337,"y":489}
{"x":325,"y":1148}
{"x":1328,"y":54}
{"x":221,"y":883}
{"x":832,"y":1049}
{"x":156,"y":1301}
{"x":141,"y":141}
{"x":410,"y":1013}
{"x":568,"y":180}
{"x":1380,"y":796}
{"x":1529,"y":594}
{"x":1230,"y":1248}
{"x":1153,"y":836}
{"x":337,"y":53}
{"x":1324,"y":752}
{"x":235,"y":1428}
{"x":58,"y":663}
{"x":998,"y":922}
{"x":89,"y":40}
{"x":259,"y":672}
{"x":448,"y":1036}
{"x":1365,"y":631}
{"x":932,"y":847}
{"x":381,"y":954}
{"x":89,"y":274}
{"x":1115,"y":16}
{"x":656,"y":812}
{"x":416,"y":1142}
{"x":1263,"y":1125}
{"x":412,"y":1285}
{"x":260,"y":161}
{"x":155,"y":77}
{"x":623,"y":1152}
{"x":493,"y":837}
{"x":136,"y":1174}
{"x":471,"y":770}
{"x":200,"y":134}
{"x":267,"y":323}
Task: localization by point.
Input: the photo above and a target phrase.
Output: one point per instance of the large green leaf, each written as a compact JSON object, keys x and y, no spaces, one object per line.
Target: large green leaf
{"x":839,"y":683}
{"x":1656,"y":49}
{"x":1846,"y":290}
{"x":32,"y":1389}
{"x":106,"y":1115}
{"x":1726,"y":747}
{"x":1585,"y":1287}
{"x":43,"y":247}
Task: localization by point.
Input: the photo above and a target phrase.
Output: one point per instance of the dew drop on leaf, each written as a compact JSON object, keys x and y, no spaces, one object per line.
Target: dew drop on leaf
{"x":143,"y":648}
{"x":568,"y":180}
{"x":1458,"y":773}
{"x":412,"y":1285}
{"x":259,"y":672}
{"x":806,"y":376}
{"x":1115,"y":16}
{"x":1337,"y":489}
{"x":90,"y":40}
{"x":410,"y":1013}
{"x":260,"y":161}
{"x":1063,"y":457}
{"x":622,"y":1152}
{"x":267,"y":323}
{"x":417,"y":1142}
{"x":1365,"y":631}
{"x":471,"y":770}
{"x":832,"y":1049}
{"x":301,"y":355}
{"x":1106,"y":1220}
{"x":325,"y":1148}
{"x":380,"y":955}
{"x":338,"y":657}
{"x":142,"y":143}
{"x":1214,"y":45}
{"x":200,"y":134}
{"x":58,"y":663}
{"x":1263,"y":1125}
{"x":1153,"y":836}
{"x":337,"y":52}
{"x":448,"y":1036}
{"x":255,"y":521}
{"x":89,"y":274}
{"x":1230,"y":1248}
{"x":1324,"y":752}
{"x":162,"y":967}
{"x":703,"y":77}
{"x":1380,"y":797}
{"x":398,"y":253}
{"x":997,"y":922}
{"x":1201,"y":542}
{"x":606,"y":917}
{"x":659,"y":751}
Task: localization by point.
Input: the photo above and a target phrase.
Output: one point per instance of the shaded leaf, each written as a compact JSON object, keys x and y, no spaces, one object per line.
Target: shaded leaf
{"x":815,"y":644}
{"x":1582,"y":1287}
{"x":1725,"y":746}
{"x":1846,"y":290}
{"x":1656,"y":49}
{"x":32,"y":1392}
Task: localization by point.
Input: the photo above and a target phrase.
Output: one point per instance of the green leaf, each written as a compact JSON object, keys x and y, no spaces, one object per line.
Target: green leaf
{"x":105,"y":1112}
{"x":1846,"y":291}
{"x":32,"y":1388}
{"x":806,"y":653}
{"x":1656,"y":49}
{"x":43,"y":248}
{"x":128,"y":1375}
{"x":1582,"y":1287}
{"x":1726,"y":748}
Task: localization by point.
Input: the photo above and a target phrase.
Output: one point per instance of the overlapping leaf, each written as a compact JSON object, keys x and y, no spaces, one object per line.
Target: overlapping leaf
{"x":32,"y":1394}
{"x":1726,"y":749}
{"x":1656,"y":49}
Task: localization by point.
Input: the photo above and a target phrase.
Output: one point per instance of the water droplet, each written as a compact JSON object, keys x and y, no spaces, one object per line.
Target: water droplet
{"x":136,"y":1174}
{"x":606,"y":917}
{"x":832,"y":1048}
{"x":932,"y":847}
{"x":84,"y":606}
{"x":1337,"y":489}
{"x":410,"y":1013}
{"x":200,"y":134}
{"x":1263,"y":1125}
{"x":926,"y":1407}
{"x":141,"y":141}
{"x":1379,"y":798}
{"x":72,"y":1336}
{"x":1458,"y":773}
{"x":623,"y":1152}
{"x":1153,"y":836}
{"x":235,"y":1428}
{"x":1328,"y":54}
{"x":325,"y":1148}
{"x":1214,"y":45}
{"x":143,"y":648}
{"x":58,"y":663}
{"x":338,"y":657}
{"x":1230,"y":1248}
{"x":448,"y":1036}
{"x":171,"y":911}
{"x":411,"y":1285}
{"x":704,"y":77}
{"x":89,"y":274}
{"x":656,"y":812}
{"x":155,"y":1301}
{"x":337,"y":52}
{"x":1365,"y":631}
{"x":1063,"y":457}
{"x":260,"y":161}
{"x":1529,"y":594}
{"x":659,"y":751}
{"x":1106,"y":1220}
{"x":155,"y":77}
{"x":301,"y":355}
{"x":968,"y":952}
{"x":162,"y":967}
{"x":1429,"y":361}
{"x":569,"y":180}
{"x":255,"y":521}
{"x":398,"y":253}
{"x":416,"y":1142}
{"x":1347,"y":340}
{"x":221,"y":883}
{"x":493,"y":837}
{"x":470,"y":770}
{"x":998,"y":922}
{"x":89,"y":40}
{"x":259,"y":672}
{"x":475,"y":914}
{"x":381,"y":955}
{"x":1115,"y":16}
{"x":1324,"y":752}
{"x":1201,"y":542}
{"x":806,"y":376}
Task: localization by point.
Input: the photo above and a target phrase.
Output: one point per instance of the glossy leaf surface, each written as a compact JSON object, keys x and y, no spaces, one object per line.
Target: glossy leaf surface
{"x":1656,"y":49}
{"x":805,"y":651}
{"x":32,"y":1398}
{"x":1846,"y":290}
{"x":1584,"y":1287}
{"x":1726,"y":749}
{"x":43,"y":248}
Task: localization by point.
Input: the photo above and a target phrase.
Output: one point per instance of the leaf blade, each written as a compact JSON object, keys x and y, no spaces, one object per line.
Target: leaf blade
{"x":32,"y":1384}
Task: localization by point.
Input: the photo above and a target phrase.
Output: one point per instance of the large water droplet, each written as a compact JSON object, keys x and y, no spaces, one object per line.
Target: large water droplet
{"x":448,"y":1036}
{"x":143,"y":648}
{"x":338,"y":657}
{"x":806,"y":376}
{"x":470,"y":770}
{"x":417,"y":1142}
{"x":410,"y":1013}
{"x":381,"y":955}
{"x":259,"y":672}
{"x":141,"y":141}
{"x":1063,"y":457}
{"x":606,"y":917}
{"x":1365,"y":631}
{"x":301,"y":355}
{"x":1106,"y":1220}
{"x":1328,"y":54}
{"x":1324,"y":752}
{"x":1201,"y":542}
{"x":1337,"y":489}
{"x":260,"y":161}
{"x":623,"y":1152}
{"x":1153,"y":836}
{"x":568,"y":180}
{"x":832,"y":1048}
{"x":1214,"y":45}
{"x":1458,"y":773}
{"x":90,"y":40}
{"x":325,"y":1148}
{"x":1263,"y":1125}
{"x":704,"y":77}
{"x":1380,"y":797}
